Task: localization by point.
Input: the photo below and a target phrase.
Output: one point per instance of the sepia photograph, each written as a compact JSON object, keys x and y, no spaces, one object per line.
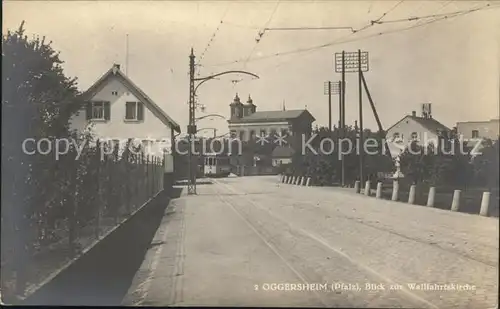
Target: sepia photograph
{"x":251,"y":153}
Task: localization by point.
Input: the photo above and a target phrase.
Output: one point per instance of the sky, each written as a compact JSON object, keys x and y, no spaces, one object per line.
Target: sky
{"x":452,"y":63}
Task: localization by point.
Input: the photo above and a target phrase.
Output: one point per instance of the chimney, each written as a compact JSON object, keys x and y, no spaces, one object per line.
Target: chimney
{"x":116,"y":68}
{"x":414,"y":113}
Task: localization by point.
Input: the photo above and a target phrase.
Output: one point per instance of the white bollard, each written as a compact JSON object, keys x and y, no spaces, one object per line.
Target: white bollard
{"x":430,"y":198}
{"x":356,"y":186}
{"x":299,"y":181}
{"x":379,"y":190}
{"x":485,"y":204}
{"x":455,"y":204}
{"x":294,"y":179}
{"x":308,"y":183}
{"x":367,"y":188}
{"x":287,"y":179}
{"x":411,"y":196}
{"x":395,"y":190}
{"x":303,"y":181}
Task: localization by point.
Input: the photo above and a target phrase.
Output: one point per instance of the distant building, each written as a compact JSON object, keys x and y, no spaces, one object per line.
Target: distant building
{"x":424,"y":129}
{"x":247,"y":123}
{"x":488,"y":129}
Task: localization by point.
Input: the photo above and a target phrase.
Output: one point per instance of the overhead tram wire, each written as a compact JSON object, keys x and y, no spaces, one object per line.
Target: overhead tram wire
{"x":353,"y":31}
{"x":337,"y":42}
{"x":261,"y":33}
{"x":212,"y":37}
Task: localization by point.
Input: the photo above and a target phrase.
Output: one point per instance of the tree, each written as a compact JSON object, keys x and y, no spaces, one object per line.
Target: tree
{"x":37,"y":102}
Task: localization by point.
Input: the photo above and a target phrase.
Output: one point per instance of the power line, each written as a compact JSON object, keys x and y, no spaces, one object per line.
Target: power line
{"x":310,"y":28}
{"x":213,"y":35}
{"x":343,"y":39}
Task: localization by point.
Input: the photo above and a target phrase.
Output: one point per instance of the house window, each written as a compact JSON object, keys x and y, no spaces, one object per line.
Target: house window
{"x":475,"y":133}
{"x":98,"y":110}
{"x":414,"y":136}
{"x":134,"y":111}
{"x":115,"y":93}
{"x":395,"y":136}
{"x":263,"y":132}
{"x":242,"y":135}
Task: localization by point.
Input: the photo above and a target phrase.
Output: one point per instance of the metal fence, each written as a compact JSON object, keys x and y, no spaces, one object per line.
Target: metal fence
{"x":74,"y":202}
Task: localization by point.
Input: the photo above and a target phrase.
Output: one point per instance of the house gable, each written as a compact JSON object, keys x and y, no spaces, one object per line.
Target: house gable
{"x":113,"y":90}
{"x":115,"y":73}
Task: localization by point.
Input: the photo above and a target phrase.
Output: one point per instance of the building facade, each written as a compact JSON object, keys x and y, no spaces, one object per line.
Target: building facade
{"x":424,"y":130}
{"x":117,"y":110}
{"x":246,"y":123}
{"x":479,"y":129}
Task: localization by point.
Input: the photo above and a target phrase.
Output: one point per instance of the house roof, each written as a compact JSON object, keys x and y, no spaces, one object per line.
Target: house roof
{"x":115,"y":71}
{"x":430,"y":124}
{"x":264,"y":116}
{"x":282,"y":152}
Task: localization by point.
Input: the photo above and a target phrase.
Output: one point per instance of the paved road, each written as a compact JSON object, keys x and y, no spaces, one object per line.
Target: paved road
{"x":252,"y":241}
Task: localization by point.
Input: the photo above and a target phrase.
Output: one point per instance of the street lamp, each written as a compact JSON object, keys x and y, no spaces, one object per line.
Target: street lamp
{"x":191,"y":129}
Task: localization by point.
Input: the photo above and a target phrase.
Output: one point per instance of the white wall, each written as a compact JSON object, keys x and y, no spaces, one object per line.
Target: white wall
{"x":117,"y":128}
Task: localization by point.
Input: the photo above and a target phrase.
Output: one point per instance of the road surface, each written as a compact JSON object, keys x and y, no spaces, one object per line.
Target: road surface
{"x":253,"y":241}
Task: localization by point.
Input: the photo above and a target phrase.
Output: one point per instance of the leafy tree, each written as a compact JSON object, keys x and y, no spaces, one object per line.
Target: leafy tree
{"x":37,"y":102}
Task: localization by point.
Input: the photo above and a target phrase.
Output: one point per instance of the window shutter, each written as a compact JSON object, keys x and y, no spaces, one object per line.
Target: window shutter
{"x":107,"y":111}
{"x":88,"y":110}
{"x":140,"y":111}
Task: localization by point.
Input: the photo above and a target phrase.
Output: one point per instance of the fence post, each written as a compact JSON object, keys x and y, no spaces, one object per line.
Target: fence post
{"x":367,"y":188}
{"x":356,"y":186}
{"x":148,"y":175}
{"x":485,"y":203}
{"x":153,"y":176}
{"x":455,"y":204}
{"x":308,"y":183}
{"x":395,"y":190}
{"x":303,"y":181}
{"x":430,"y":198}
{"x":99,"y":197}
{"x":126,"y":164}
{"x":379,"y":190}
{"x":411,"y":196}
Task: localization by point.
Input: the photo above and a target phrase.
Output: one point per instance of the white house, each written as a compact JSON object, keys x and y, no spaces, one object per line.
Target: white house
{"x":118,"y":110}
{"x":424,"y":129}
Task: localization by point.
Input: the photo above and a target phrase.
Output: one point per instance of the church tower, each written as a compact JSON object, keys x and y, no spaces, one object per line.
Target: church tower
{"x":249,"y":107}
{"x":236,"y":108}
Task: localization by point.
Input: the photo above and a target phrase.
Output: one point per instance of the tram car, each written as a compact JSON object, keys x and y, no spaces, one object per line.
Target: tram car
{"x":216,"y":165}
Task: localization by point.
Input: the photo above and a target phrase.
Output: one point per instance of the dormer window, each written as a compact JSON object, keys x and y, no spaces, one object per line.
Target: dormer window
{"x":134,"y":111}
{"x":114,"y":93}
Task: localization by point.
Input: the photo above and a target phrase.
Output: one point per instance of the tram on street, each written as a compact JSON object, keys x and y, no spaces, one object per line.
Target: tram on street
{"x":216,"y":165}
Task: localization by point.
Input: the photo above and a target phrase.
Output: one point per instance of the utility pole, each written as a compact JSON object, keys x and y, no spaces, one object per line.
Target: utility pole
{"x":191,"y":127}
{"x":330,"y":105}
{"x":331,"y":88}
{"x":342,"y":117}
{"x":361,"y":143}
